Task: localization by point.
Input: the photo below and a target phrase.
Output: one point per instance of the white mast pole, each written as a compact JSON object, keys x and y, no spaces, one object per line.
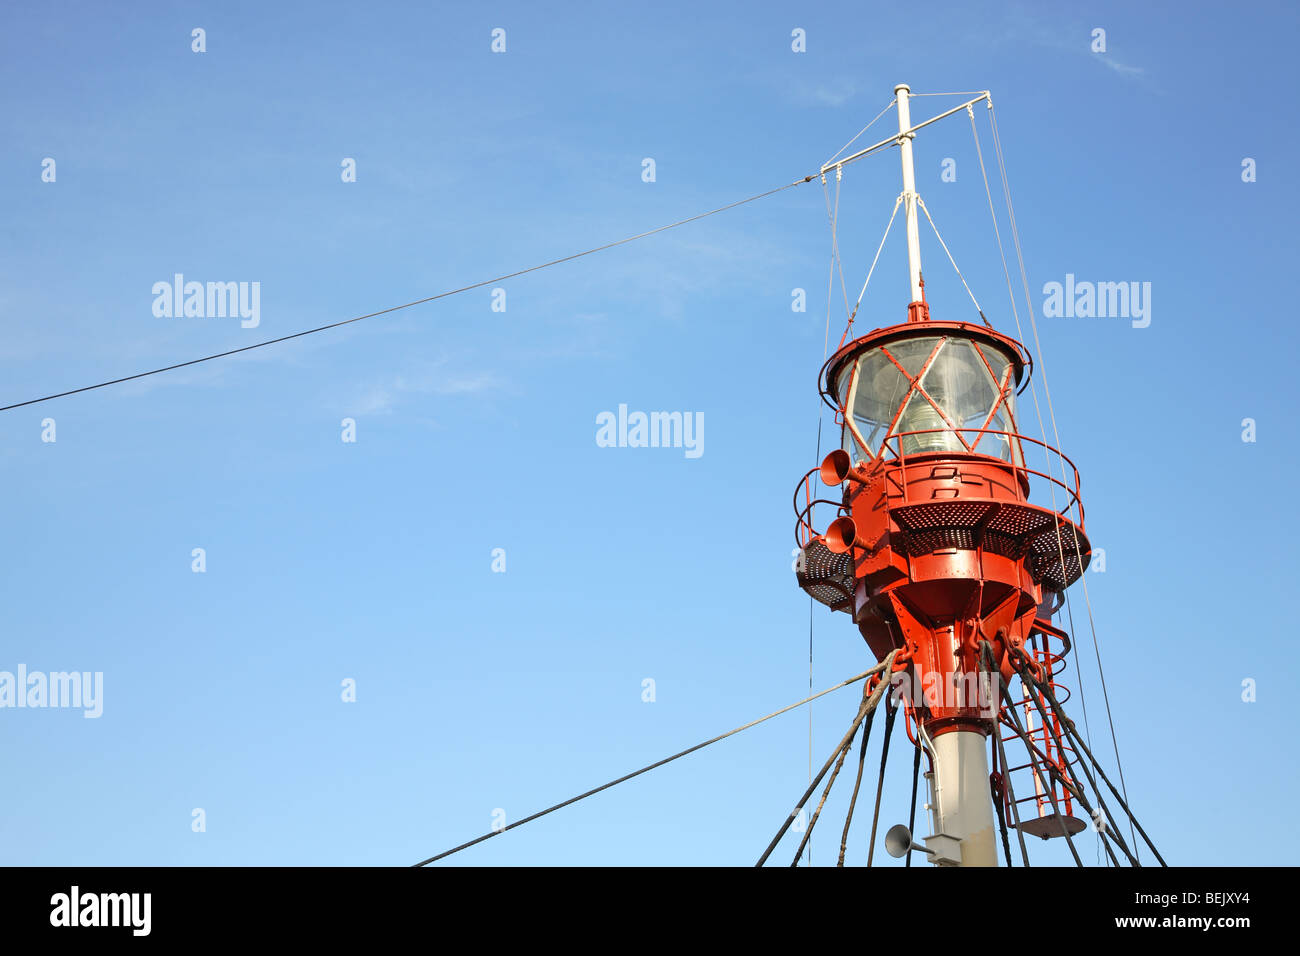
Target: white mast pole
{"x":962,"y":806}
{"x":903,"y":92}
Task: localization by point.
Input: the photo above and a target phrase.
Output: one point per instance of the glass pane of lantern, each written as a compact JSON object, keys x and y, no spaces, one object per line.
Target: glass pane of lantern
{"x":933,"y":433}
{"x":957,"y":379}
{"x":912,"y":353}
{"x":959,"y":383}
{"x":1003,"y":446}
{"x":996,"y":360}
{"x":969,"y":391}
{"x":979,"y":390}
{"x":878,"y":391}
{"x":879,"y":388}
{"x":1000,"y":446}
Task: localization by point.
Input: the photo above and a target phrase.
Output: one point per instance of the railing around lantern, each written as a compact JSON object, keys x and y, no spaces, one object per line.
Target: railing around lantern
{"x":891,"y":451}
{"x":803,"y":529}
{"x":894,"y":444}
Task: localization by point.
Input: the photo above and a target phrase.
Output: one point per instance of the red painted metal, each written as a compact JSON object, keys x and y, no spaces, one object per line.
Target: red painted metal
{"x":919,"y":311}
{"x":934,"y":551}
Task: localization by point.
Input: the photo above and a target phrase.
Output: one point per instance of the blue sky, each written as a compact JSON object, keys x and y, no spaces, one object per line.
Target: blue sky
{"x":372,"y":560}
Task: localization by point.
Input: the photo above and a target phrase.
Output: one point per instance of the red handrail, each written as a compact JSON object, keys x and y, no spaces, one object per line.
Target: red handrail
{"x":805,"y":531}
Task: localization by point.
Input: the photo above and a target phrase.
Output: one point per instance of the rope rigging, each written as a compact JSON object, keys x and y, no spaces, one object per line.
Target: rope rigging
{"x":857,"y":783}
{"x":1024,"y":277}
{"x":1011,"y":795}
{"x":1119,"y":839}
{"x":1047,"y":773}
{"x":857,"y":305}
{"x":407,"y":305}
{"x":840,"y":151}
{"x":658,"y":763}
{"x":890,"y":713}
{"x":1072,"y":731}
{"x":1043,"y":687}
{"x":839,"y":764}
{"x":911,"y":816}
{"x":870,"y":698}
{"x":926,"y":209}
{"x":1002,"y":820}
{"x":1042,"y":779}
{"x":477,"y":285}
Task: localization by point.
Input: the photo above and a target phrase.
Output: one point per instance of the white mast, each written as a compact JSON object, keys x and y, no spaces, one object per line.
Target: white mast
{"x":961,"y":805}
{"x":905,"y":136}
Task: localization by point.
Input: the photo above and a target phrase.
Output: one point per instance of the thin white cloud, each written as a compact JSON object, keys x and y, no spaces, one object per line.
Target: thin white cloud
{"x":434,"y":379}
{"x":1024,"y":25}
{"x":1122,"y":68}
{"x":833,"y":93}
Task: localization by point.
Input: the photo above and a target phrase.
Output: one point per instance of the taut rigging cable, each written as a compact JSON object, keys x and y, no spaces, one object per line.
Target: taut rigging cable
{"x":407,"y":305}
{"x":658,"y":763}
{"x":1047,"y":393}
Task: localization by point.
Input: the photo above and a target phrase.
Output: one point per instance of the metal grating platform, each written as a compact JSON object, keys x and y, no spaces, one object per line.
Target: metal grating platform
{"x":826,"y":576}
{"x":1055,"y":547}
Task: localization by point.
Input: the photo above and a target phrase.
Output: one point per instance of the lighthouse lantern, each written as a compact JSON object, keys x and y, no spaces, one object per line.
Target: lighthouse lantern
{"x":928,"y":387}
